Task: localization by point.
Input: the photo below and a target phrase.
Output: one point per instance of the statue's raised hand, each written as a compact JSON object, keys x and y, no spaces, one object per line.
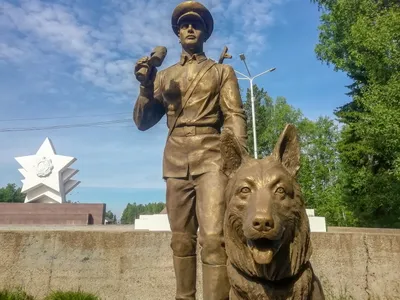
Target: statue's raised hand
{"x":144,"y":72}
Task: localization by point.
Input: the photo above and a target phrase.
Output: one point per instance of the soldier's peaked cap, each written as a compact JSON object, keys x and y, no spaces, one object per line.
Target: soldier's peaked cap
{"x":192,"y":9}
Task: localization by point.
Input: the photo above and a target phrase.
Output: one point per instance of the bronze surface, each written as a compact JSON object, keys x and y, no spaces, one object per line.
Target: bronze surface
{"x":266,"y":227}
{"x":198,"y":97}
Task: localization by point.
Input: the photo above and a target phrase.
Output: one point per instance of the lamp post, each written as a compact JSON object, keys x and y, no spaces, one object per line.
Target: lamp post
{"x":249,"y":78}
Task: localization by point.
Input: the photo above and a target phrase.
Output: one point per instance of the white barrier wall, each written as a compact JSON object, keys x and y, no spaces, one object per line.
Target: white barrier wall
{"x":159,"y":222}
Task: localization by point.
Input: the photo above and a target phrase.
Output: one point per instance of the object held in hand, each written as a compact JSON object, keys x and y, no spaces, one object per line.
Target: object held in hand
{"x":224,"y":54}
{"x":157,"y":57}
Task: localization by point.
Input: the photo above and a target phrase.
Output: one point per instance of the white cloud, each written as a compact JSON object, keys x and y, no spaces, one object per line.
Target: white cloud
{"x":57,"y":48}
{"x":9,"y":52}
{"x":105,"y":47}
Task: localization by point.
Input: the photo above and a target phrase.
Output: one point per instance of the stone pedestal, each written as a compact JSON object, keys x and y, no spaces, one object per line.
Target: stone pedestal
{"x":52,"y":213}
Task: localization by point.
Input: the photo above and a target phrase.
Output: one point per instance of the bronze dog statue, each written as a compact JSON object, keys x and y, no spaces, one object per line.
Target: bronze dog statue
{"x":266,"y":228}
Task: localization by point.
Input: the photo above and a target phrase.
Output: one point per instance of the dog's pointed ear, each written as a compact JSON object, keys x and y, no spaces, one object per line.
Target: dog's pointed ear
{"x":287,"y":149}
{"x":232,"y":154}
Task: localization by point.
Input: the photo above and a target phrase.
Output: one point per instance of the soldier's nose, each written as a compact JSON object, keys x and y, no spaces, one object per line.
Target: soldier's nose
{"x":263,"y":222}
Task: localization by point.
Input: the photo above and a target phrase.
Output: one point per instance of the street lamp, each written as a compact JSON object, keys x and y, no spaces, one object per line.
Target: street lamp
{"x":249,"y":78}
{"x":243,"y":58}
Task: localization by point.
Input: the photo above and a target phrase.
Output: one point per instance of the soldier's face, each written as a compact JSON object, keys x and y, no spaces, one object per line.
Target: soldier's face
{"x":192,"y":33}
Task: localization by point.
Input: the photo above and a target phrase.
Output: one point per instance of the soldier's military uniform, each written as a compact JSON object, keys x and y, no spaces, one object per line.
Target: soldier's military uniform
{"x":191,"y":163}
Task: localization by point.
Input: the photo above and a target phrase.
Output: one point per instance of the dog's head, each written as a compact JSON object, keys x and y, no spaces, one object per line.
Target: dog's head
{"x":266,"y":226}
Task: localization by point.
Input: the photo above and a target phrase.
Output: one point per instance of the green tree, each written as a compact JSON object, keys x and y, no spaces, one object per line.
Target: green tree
{"x":132,"y":211}
{"x":320,"y":175}
{"x":362,"y":38}
{"x":271,"y":118}
{"x":320,"y":168}
{"x":111,"y":216}
{"x":11,"y":193}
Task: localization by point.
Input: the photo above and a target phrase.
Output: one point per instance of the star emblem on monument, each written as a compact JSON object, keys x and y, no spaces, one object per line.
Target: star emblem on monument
{"x":47,"y":175}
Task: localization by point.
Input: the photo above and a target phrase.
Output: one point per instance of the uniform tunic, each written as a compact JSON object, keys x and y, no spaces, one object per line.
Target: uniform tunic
{"x":214,"y":103}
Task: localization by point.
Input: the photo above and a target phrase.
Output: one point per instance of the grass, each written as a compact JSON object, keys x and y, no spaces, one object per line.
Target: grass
{"x":78,"y":295}
{"x":19,"y":294}
{"x":15,"y":294}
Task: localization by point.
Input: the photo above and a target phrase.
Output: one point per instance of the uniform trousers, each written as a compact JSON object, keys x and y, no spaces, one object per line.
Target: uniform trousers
{"x":196,"y":208}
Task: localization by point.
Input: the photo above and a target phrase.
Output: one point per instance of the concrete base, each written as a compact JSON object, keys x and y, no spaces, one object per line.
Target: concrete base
{"x":52,"y":213}
{"x":117,"y":263}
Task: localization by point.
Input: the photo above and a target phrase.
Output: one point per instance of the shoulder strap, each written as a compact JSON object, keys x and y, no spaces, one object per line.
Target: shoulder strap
{"x":206,"y":66}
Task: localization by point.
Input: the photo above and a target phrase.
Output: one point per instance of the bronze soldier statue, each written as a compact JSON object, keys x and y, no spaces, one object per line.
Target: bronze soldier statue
{"x":199,"y":97}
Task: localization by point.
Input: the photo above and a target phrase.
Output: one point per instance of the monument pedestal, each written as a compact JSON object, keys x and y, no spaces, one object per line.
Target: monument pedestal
{"x":52,"y":213}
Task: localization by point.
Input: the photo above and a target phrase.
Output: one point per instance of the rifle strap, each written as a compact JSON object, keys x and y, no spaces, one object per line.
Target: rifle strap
{"x":206,"y":66}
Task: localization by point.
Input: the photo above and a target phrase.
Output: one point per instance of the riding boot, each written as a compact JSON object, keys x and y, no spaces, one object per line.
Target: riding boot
{"x":185,"y":274}
{"x":215,"y":282}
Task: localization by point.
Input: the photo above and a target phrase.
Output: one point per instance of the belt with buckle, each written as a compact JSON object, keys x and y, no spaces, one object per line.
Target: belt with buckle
{"x":193,"y":130}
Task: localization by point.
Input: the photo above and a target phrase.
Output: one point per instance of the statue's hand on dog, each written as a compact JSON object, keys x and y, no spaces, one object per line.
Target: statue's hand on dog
{"x":267,"y":233}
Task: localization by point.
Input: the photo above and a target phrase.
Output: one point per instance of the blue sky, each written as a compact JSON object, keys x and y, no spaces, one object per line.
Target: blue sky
{"x":70,"y":62}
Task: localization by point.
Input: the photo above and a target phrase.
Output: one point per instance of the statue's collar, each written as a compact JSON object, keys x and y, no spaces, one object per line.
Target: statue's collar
{"x":198,"y":57}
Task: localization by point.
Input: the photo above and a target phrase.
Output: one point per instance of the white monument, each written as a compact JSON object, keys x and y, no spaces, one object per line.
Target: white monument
{"x":47,"y":175}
